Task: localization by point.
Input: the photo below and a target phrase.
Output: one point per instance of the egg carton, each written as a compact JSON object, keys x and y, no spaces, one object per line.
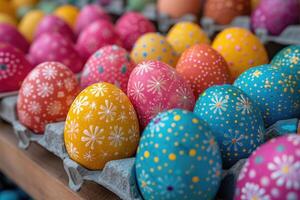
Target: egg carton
{"x":116,"y":7}
{"x":165,"y":22}
{"x":7,"y":94}
{"x":283,"y":127}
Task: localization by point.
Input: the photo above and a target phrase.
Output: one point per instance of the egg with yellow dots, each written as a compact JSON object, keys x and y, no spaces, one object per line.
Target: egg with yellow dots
{"x":68,"y":13}
{"x":29,"y":23}
{"x":178,"y":158}
{"x":154,"y":46}
{"x":241,"y":49}
{"x":186,"y":34}
{"x":6,"y":19}
{"x":101,"y":126}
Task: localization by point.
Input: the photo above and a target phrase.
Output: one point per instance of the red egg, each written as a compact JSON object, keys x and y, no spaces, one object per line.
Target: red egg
{"x":89,"y":14}
{"x":53,"y":24}
{"x":10,"y":35}
{"x":110,"y":64}
{"x":131,"y":26}
{"x":13,"y":68}
{"x":202,"y":67}
{"x":99,"y":34}
{"x":54,"y":47}
{"x":46,"y":95}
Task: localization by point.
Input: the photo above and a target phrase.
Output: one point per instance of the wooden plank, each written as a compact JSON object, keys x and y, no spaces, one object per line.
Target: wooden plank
{"x":41,"y":173}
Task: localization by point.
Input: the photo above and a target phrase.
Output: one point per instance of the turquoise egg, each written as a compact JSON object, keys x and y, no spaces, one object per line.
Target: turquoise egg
{"x":276,"y":90}
{"x":235,"y":121}
{"x":289,"y":56}
{"x":178,"y":158}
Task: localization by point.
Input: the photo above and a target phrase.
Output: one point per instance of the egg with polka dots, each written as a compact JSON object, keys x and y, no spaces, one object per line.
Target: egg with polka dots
{"x":154,"y":46}
{"x":178,"y":158}
{"x":13,"y":68}
{"x":101,"y":126}
{"x":274,"y":89}
{"x":289,"y":56}
{"x":202,"y":67}
{"x":154,"y":87}
{"x":241,"y":49}
{"x":110,"y":64}
{"x":234,"y":119}
{"x":272,"y":172}
{"x":46,"y":95}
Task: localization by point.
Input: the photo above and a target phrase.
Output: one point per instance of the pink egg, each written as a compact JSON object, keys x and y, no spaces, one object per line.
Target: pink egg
{"x":54,"y":47}
{"x":46,"y":95}
{"x":51,"y":24}
{"x":10,"y":35}
{"x":110,"y":64}
{"x":131,"y":26}
{"x":89,"y":14}
{"x":272,"y":172}
{"x":99,"y":34}
{"x":13,"y":68}
{"x":154,"y":87}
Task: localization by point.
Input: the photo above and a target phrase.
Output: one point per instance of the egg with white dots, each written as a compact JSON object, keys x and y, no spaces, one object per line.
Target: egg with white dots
{"x":178,"y":158}
{"x":274,"y":89}
{"x":234,"y":119}
{"x":289,"y":56}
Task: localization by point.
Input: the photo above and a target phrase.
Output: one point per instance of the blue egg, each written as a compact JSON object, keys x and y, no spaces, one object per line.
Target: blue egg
{"x":289,"y":56}
{"x":234,"y":119}
{"x":178,"y":158}
{"x":276,"y":90}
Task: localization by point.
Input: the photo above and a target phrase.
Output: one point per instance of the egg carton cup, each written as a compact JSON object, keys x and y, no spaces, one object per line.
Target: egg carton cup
{"x":150,"y":11}
{"x":165,"y":22}
{"x":7,"y":94}
{"x":116,"y":7}
{"x":283,"y":127}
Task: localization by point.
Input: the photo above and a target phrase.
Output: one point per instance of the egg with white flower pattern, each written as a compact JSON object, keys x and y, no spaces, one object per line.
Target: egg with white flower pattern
{"x":289,"y":56}
{"x":178,"y":158}
{"x":46,"y":95}
{"x":234,"y":119}
{"x":101,"y":126}
{"x":154,"y":87}
{"x":272,"y":171}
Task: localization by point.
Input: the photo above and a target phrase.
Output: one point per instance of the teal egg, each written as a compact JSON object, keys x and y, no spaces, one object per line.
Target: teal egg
{"x":289,"y":56}
{"x":235,"y":121}
{"x":178,"y":158}
{"x":276,"y":90}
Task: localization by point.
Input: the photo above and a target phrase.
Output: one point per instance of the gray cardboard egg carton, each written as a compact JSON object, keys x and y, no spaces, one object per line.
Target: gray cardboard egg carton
{"x":290,"y":36}
{"x":165,"y":22}
{"x":116,"y":175}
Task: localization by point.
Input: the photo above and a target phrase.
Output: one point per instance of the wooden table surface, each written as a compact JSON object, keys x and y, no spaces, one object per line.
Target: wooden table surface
{"x":40,"y":173}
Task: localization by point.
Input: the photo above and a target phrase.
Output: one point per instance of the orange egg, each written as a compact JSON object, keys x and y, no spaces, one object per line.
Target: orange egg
{"x":179,"y":8}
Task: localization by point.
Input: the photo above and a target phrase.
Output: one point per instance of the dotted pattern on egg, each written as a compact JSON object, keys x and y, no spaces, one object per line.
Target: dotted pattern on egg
{"x":178,"y":158}
{"x":272,"y":172}
{"x":235,"y":121}
{"x":289,"y":56}
{"x":46,"y":95}
{"x":110,"y":64}
{"x":101,"y":126}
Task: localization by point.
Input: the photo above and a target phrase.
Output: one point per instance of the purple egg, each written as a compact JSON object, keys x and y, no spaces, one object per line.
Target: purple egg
{"x":276,"y":15}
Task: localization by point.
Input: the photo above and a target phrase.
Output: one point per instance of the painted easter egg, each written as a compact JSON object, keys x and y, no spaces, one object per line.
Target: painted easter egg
{"x":178,"y":158}
{"x":272,"y":172}
{"x":154,"y":46}
{"x":255,"y":4}
{"x":202,"y":67}
{"x":275,"y":90}
{"x":111,"y":64}
{"x":7,"y":19}
{"x":234,"y":119}
{"x":154,"y":87}
{"x":241,"y":49}
{"x":276,"y":15}
{"x":289,"y":56}
{"x":46,"y":95}
{"x":29,"y":23}
{"x":87,"y":15}
{"x":68,"y":13}
{"x":13,"y":68}
{"x":54,"y":47}
{"x":101,"y":126}
{"x":54,"y":24}
{"x":186,"y":34}
{"x":10,"y":35}
{"x":178,"y":8}
{"x":99,"y":34}
{"x":131,"y":26}
{"x":223,"y":12}
{"x":7,"y":7}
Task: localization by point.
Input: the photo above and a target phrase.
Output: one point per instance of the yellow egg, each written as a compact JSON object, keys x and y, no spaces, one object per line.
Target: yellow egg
{"x":186,"y":34}
{"x":7,"y":8}
{"x":153,"y":46}
{"x":7,"y":19}
{"x":29,"y":23}
{"x":241,"y":49}
{"x":68,"y":13}
{"x":21,"y":3}
{"x":101,"y":126}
